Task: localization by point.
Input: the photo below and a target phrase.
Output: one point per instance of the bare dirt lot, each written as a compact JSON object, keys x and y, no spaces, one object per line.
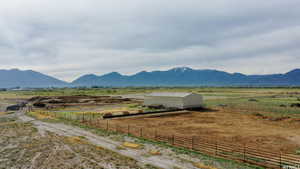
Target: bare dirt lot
{"x":229,"y":125}
{"x":22,"y":146}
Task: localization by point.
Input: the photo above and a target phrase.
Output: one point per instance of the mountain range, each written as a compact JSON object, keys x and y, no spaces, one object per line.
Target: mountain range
{"x":28,"y":78}
{"x":184,"y":76}
{"x":181,"y":76}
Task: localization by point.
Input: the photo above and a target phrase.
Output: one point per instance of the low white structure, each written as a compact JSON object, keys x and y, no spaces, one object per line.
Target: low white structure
{"x":174,"y":100}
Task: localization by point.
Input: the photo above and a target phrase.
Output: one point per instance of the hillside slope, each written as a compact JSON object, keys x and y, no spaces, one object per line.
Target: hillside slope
{"x":185,"y":76}
{"x":27,"y":78}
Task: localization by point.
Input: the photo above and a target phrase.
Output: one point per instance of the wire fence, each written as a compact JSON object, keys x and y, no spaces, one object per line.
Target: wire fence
{"x":210,"y":146}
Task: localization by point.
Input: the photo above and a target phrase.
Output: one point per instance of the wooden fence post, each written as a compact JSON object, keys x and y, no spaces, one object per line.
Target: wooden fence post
{"x":216,"y":151}
{"x":106,"y":125}
{"x":128,"y":129}
{"x":141,"y":132}
{"x":280,"y":160}
{"x":193,"y":142}
{"x":155,"y":135}
{"x":90,"y":119}
{"x":173,"y":138}
{"x":244,"y":155}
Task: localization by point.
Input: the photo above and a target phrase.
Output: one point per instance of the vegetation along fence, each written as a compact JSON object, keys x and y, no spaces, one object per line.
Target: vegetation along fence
{"x":210,"y":146}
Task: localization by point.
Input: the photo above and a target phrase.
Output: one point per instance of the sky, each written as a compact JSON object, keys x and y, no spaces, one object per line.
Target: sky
{"x":70,"y":38}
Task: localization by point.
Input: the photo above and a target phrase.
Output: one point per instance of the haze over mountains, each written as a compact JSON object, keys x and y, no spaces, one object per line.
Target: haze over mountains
{"x":182,"y":76}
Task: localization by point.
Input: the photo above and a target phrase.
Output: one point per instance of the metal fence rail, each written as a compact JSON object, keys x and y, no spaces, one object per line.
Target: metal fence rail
{"x":210,"y":146}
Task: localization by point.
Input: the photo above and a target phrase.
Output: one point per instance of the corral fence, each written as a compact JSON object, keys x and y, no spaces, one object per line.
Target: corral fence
{"x":142,"y":113}
{"x":210,"y":146}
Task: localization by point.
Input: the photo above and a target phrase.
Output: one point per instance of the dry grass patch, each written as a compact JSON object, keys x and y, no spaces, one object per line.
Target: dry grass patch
{"x":77,"y":140}
{"x":7,"y":123}
{"x":132,"y":145}
{"x":203,"y":166}
{"x":117,"y":110}
{"x":41,"y":115}
{"x":154,"y":152}
{"x":3,"y":113}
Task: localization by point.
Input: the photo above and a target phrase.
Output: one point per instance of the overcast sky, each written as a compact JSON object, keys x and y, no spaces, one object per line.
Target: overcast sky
{"x":69,"y":38}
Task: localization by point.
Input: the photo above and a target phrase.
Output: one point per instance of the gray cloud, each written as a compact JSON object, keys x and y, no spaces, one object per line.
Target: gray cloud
{"x":68,"y":38}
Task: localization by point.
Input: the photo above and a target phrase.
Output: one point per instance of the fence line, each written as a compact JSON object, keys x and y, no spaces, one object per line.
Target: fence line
{"x":210,"y":146}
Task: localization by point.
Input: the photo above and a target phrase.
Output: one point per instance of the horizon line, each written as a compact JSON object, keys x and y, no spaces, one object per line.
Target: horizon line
{"x":179,"y":67}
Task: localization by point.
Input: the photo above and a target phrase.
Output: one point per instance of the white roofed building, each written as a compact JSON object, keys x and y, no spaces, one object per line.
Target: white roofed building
{"x":174,"y":100}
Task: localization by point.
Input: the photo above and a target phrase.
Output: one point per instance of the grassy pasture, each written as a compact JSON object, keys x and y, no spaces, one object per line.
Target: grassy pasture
{"x":279,"y":105}
{"x":271,"y":100}
{"x":208,"y":91}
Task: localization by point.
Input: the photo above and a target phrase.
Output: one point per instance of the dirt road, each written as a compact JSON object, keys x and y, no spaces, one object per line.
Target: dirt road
{"x":138,"y":155}
{"x":23,"y":147}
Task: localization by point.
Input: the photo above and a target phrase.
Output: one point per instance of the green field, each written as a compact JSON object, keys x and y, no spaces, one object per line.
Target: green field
{"x":262,"y":115}
{"x":275,"y":101}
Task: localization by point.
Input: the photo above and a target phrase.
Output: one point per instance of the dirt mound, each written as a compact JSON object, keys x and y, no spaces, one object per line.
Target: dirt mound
{"x":80,"y":100}
{"x":39,"y":104}
{"x":55,"y":101}
{"x":297,"y":105}
{"x":38,"y":99}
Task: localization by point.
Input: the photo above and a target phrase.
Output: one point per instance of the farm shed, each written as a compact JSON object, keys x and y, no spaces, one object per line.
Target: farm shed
{"x":174,"y":100}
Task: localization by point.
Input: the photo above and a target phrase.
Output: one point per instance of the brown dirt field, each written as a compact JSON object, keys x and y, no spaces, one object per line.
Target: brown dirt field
{"x":228,"y":125}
